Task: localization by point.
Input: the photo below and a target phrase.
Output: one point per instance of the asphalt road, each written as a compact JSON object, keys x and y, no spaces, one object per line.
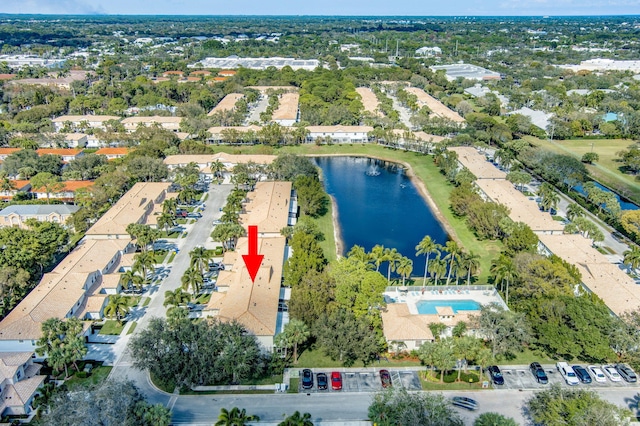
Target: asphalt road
{"x":197,"y":236}
{"x":337,"y":408}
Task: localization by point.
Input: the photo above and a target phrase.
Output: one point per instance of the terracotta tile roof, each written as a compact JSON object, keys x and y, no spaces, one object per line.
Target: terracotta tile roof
{"x":60,"y":290}
{"x":10,"y":362}
{"x":19,"y":184}
{"x":436,"y":107}
{"x":133,"y":207}
{"x":268,"y":207}
{"x":69,"y":186}
{"x":65,"y":152}
{"x":420,"y":136}
{"x":399,"y":324}
{"x":254,"y":305}
{"x":18,"y":394}
{"x":7,"y":76}
{"x":228,"y":103}
{"x":227,"y":72}
{"x":617,"y":289}
{"x":287,"y":108}
{"x":206,"y":159}
{"x":477,"y":163}
{"x":522,"y":209}
{"x":8,"y":151}
{"x":112,"y":151}
{"x":369,"y":100}
{"x":87,"y":118}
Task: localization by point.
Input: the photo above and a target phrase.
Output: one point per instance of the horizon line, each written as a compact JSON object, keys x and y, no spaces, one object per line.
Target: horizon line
{"x":324,"y":16}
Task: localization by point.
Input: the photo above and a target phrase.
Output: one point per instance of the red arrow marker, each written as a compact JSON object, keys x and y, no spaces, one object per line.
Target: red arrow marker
{"x":253,"y":260}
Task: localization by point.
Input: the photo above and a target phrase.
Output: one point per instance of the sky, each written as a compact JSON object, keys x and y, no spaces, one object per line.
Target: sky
{"x":326,"y":7}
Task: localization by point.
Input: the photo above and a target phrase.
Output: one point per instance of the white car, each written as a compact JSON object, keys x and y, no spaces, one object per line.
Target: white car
{"x":597,"y":374}
{"x":568,"y":373}
{"x":611,"y":373}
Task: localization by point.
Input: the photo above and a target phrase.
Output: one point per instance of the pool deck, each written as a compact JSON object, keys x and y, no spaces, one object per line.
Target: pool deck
{"x":412,"y":295}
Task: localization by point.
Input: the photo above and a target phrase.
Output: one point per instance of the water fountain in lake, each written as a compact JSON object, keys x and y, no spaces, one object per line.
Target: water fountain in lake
{"x":372,"y":171}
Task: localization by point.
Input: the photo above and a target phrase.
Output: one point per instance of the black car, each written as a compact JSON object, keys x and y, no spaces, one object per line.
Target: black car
{"x":464,"y":402}
{"x":538,"y":372}
{"x":496,"y":375}
{"x":307,"y":379}
{"x":322,"y":381}
{"x":582,"y":374}
{"x":627,"y":373}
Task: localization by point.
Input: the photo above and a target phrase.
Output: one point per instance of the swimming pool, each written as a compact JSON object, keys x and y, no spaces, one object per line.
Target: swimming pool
{"x":428,"y":307}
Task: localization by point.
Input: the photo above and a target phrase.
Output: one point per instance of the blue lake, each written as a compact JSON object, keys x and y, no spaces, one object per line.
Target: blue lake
{"x":378,"y":204}
{"x":624,"y":205}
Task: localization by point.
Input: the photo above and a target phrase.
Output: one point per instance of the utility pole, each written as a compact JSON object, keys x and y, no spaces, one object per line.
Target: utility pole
{"x":397,"y":44}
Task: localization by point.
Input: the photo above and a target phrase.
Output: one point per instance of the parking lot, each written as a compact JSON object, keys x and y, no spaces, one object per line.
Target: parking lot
{"x":519,"y":377}
{"x":364,"y":381}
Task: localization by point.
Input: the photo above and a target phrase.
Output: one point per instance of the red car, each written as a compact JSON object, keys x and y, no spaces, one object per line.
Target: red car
{"x":336,"y":381}
{"x":385,"y":378}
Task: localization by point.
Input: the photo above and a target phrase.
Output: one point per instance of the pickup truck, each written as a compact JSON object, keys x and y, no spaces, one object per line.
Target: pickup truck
{"x":567,"y":373}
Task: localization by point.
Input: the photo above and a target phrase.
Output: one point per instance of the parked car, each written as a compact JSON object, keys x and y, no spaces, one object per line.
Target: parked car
{"x":307,"y":379}
{"x":538,"y":372}
{"x":567,"y":373}
{"x":597,"y":374}
{"x":496,"y":375}
{"x":322,"y":381}
{"x":182,"y":213}
{"x":385,"y":378}
{"x":611,"y":373}
{"x":627,"y":373}
{"x":336,"y":380}
{"x":582,"y":374}
{"x":216,"y":266}
{"x":464,"y":402}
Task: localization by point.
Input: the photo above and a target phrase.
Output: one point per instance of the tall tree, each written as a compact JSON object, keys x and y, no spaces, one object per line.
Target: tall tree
{"x":192,"y":278}
{"x":453,"y":252}
{"x":427,"y":246}
{"x":295,"y":333}
{"x":117,"y":307}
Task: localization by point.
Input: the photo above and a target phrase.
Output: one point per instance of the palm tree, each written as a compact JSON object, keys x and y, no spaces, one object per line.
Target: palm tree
{"x":230,"y":217}
{"x":482,"y":358}
{"x":200,"y":258}
{"x":377,"y":256}
{"x":466,"y":347}
{"x":166,"y":221}
{"x":574,"y":211}
{"x":117,"y":307}
{"x":170,"y":206}
{"x":404,"y":268}
{"x":471,"y":263}
{"x":427,"y":246}
{"x":504,"y":270}
{"x":549,"y":196}
{"x":217,"y":168}
{"x":393,"y":257}
{"x":176,"y":298}
{"x":193,"y":279}
{"x":235,"y":417}
{"x":143,"y":262}
{"x":632,"y":257}
{"x":438,"y":269}
{"x":358,"y":252}
{"x":297,"y":419}
{"x":295,"y":333}
{"x":130,"y":277}
{"x":444,"y":357}
{"x":453,"y":251}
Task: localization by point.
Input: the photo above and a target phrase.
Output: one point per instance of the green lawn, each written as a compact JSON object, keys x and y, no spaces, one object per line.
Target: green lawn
{"x":112,"y":328}
{"x":172,"y":234}
{"x":173,"y":254}
{"x":146,"y":302}
{"x":133,"y":327}
{"x":526,"y":357}
{"x":605,"y":170}
{"x":468,"y":381}
{"x":133,"y":300}
{"x":325,"y":224}
{"x":203,"y":299}
{"x":437,"y":186}
{"x":159,"y":255}
{"x":97,"y":375}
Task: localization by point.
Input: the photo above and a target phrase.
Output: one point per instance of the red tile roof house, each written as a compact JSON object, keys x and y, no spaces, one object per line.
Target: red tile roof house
{"x":67,"y":154}
{"x":5,"y":152}
{"x":68,"y":192}
{"x":173,"y":74}
{"x":113,"y":153}
{"x":19,"y":186}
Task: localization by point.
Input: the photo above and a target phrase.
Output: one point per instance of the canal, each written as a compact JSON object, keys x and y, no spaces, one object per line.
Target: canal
{"x":378,"y":204}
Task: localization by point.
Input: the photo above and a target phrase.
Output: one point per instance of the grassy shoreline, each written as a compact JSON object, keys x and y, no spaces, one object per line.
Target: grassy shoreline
{"x":436,"y":192}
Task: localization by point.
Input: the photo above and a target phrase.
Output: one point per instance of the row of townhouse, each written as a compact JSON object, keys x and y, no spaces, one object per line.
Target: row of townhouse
{"x":259,"y":305}
{"x":617,"y":289}
{"x":75,"y":123}
{"x":80,"y":284}
{"x":65,"y":193}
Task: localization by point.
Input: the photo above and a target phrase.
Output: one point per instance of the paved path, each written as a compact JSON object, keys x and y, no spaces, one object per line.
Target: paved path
{"x":260,"y":107}
{"x":197,"y":236}
{"x":405,"y":114}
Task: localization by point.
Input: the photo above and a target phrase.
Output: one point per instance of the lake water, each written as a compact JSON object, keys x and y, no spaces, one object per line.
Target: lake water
{"x":624,"y":205}
{"x":378,"y":204}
